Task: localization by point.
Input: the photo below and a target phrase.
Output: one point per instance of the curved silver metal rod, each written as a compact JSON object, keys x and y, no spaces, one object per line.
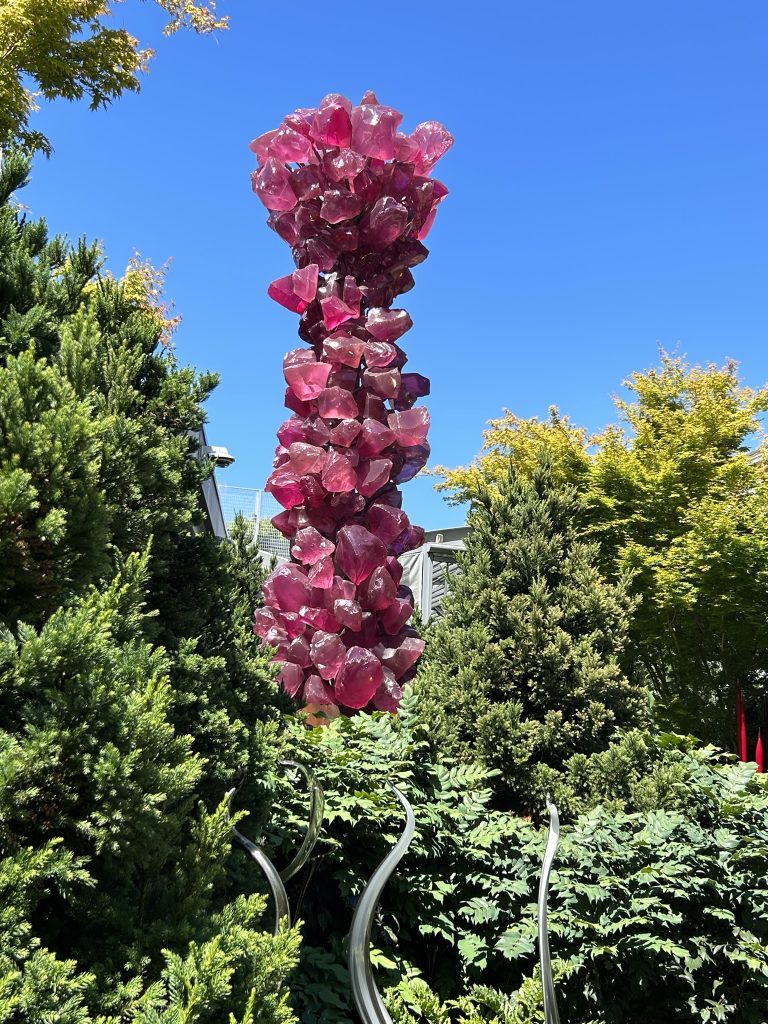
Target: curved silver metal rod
{"x":282,"y":910}
{"x":316,"y":807}
{"x":369,"y":1003}
{"x":551,"y":1016}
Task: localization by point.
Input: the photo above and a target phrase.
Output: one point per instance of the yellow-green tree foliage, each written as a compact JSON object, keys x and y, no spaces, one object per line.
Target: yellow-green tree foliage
{"x":521,"y":439}
{"x":676,"y":493}
{"x":66,"y":48}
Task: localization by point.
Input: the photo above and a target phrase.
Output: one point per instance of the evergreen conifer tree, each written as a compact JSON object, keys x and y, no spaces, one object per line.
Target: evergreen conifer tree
{"x":132,"y":690}
{"x":95,"y":415}
{"x":523,"y":671}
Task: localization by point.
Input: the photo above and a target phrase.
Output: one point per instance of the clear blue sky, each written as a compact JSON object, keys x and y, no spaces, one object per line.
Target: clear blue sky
{"x":608,"y":196}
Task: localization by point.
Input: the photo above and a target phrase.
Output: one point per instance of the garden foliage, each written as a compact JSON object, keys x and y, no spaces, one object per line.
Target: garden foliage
{"x":524,"y":669}
{"x":132,"y":690}
{"x":69,"y":49}
{"x":675,"y":495}
{"x":658,"y":913}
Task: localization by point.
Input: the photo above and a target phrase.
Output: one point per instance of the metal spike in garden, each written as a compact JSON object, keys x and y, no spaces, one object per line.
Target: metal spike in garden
{"x":551,"y":1016}
{"x":275,"y":878}
{"x":370,"y":1005}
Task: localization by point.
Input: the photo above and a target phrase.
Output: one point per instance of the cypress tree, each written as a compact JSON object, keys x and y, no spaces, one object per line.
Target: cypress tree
{"x":95,"y":417}
{"x":523,"y":671}
{"x":132,"y":690}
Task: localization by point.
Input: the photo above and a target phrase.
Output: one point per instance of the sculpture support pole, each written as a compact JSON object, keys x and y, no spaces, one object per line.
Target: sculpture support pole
{"x":551,"y":1015}
{"x":369,"y":1003}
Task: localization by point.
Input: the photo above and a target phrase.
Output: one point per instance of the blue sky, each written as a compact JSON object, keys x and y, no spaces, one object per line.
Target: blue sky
{"x":608,"y":196}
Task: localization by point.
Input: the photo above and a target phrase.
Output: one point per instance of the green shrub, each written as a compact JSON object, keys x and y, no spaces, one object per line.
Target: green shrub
{"x":355,"y":759}
{"x":95,"y":416}
{"x":523,"y":671}
{"x":109,"y":861}
{"x":133,"y":693}
{"x":657,"y":915}
{"x":639,"y":771}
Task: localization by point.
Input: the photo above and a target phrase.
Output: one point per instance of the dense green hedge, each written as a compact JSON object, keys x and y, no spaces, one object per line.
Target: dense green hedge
{"x":524,"y":670}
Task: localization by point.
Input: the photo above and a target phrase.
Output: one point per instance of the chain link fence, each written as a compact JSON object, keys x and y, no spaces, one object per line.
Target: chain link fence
{"x":257,"y":508}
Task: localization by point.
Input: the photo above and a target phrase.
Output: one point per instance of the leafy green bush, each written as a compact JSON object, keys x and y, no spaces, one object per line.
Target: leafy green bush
{"x":657,"y":915}
{"x":639,"y":771}
{"x":108,"y":859}
{"x":355,"y":759}
{"x":96,"y":418}
{"x":675,"y":494}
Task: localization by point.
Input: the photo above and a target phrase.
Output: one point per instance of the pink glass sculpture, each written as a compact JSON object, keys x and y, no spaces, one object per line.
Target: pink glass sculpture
{"x":350,"y":193}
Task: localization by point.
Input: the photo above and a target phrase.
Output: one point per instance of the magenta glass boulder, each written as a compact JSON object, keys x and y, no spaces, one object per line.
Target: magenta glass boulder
{"x":343,"y":348}
{"x":327,"y":653}
{"x":321,"y":574}
{"x":272,"y":184}
{"x":332,"y":126}
{"x":388,"y":324}
{"x":350,"y":193}
{"x":400,"y":653}
{"x":359,"y":677}
{"x":307,"y":380}
{"x":297,"y":290}
{"x":310,"y":546}
{"x":336,"y":403}
{"x":379,"y":590}
{"x":379,"y":354}
{"x":358,"y":552}
{"x":284,"y":485}
{"x":374,"y":128}
{"x":373,"y":475}
{"x":292,"y":678}
{"x":348,"y":612}
{"x":340,"y":204}
{"x":389,"y":694}
{"x":317,"y":692}
{"x":433,"y":142}
{"x":298,"y":652}
{"x":374,"y":437}
{"x":410,"y":426}
{"x":287,"y":588}
{"x":339,"y":474}
{"x":306,"y":458}
{"x":345,"y":432}
{"x":384,"y":223}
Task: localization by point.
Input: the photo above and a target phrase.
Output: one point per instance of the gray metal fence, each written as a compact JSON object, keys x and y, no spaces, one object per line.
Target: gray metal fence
{"x":258,"y":508}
